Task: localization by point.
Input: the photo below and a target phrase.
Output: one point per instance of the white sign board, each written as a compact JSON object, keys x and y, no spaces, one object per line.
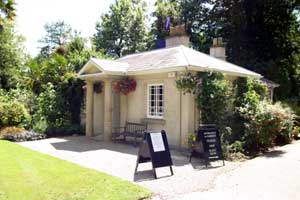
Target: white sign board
{"x":157,"y":142}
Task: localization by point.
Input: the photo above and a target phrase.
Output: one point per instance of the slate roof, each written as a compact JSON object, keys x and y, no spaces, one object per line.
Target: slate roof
{"x":169,"y":59}
{"x":269,"y":83}
{"x":111,"y":65}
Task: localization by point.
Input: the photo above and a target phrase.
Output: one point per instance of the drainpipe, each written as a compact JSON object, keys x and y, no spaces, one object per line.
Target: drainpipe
{"x":180,"y":124}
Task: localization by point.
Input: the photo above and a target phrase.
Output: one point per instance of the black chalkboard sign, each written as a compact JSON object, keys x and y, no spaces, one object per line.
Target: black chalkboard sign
{"x":211,"y":141}
{"x":155,"y":149}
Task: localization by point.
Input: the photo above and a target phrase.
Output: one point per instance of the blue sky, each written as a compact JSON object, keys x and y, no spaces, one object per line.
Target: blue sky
{"x":32,"y":15}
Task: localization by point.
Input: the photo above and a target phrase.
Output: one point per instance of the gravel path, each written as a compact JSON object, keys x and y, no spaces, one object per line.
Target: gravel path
{"x":120,"y":159}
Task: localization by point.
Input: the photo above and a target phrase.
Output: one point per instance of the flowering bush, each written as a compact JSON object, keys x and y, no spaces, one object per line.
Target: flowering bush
{"x":270,"y":123}
{"x":125,"y":85}
{"x":276,"y":122}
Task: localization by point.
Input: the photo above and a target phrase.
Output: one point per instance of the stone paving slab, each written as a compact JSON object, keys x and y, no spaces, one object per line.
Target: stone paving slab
{"x":274,"y":175}
{"x":119,"y":160}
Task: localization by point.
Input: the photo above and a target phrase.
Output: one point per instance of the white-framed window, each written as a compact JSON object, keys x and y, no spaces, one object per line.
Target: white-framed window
{"x":155,"y":101}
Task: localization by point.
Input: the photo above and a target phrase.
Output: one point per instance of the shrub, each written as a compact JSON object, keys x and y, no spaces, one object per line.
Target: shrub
{"x":59,"y":107}
{"x":47,"y":107}
{"x":21,"y":95}
{"x":64,"y":130}
{"x":268,"y":125}
{"x":296,"y":132}
{"x":40,"y":126}
{"x":14,"y":114}
{"x":277,"y":122}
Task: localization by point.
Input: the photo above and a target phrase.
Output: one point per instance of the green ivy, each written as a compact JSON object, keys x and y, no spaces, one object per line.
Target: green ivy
{"x":213,"y":95}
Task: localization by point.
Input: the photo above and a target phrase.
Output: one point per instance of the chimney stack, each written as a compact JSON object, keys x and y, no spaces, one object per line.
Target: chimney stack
{"x":218,"y":49}
{"x":178,"y":36}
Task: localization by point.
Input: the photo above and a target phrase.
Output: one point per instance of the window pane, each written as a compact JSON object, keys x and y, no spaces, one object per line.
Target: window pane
{"x":160,"y":97}
{"x":152,"y":98}
{"x":161,"y":90}
{"x":152,"y":90}
{"x":160,"y":104}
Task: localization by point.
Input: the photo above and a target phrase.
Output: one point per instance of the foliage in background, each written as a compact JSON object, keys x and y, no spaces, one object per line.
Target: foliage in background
{"x":165,"y":9}
{"x":7,"y":11}
{"x":263,"y":36}
{"x":123,"y":29}
{"x":58,"y":34}
{"x":194,"y":14}
{"x":11,"y":56}
{"x":260,"y":35}
{"x":54,"y":81}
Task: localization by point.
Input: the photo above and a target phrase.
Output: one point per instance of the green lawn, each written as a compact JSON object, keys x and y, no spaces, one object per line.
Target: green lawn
{"x":29,"y":175}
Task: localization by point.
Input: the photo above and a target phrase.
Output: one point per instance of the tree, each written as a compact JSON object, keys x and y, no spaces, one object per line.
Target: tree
{"x":123,"y":29}
{"x":264,"y":36}
{"x":11,"y":56}
{"x":7,"y":10}
{"x":194,"y":14}
{"x":165,"y":9}
{"x":54,"y":81}
{"x":57,"y":34}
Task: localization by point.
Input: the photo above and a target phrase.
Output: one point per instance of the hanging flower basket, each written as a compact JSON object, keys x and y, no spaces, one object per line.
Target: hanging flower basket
{"x":98,"y":87}
{"x":125,"y":85}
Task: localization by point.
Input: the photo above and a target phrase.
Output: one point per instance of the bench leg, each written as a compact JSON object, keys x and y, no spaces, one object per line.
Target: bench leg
{"x":135,"y":141}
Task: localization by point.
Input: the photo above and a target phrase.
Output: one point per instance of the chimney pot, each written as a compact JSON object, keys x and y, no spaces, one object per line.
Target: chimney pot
{"x":218,"y":49}
{"x":178,"y":36}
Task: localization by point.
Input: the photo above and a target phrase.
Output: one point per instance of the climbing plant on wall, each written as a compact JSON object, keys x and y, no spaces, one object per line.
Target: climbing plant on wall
{"x":213,"y":94}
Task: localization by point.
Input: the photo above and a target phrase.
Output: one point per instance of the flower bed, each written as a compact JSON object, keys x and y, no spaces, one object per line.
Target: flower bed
{"x":16,"y":134}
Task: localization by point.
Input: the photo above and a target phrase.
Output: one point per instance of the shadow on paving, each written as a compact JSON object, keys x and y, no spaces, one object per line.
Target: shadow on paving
{"x":274,"y":154}
{"x":180,"y":159}
{"x":84,"y":145}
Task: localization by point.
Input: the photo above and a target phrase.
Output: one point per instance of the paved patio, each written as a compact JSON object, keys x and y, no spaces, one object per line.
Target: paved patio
{"x":120,"y":159}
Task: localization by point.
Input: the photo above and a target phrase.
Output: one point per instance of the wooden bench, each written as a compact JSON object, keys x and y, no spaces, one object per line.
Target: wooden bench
{"x":134,"y":130}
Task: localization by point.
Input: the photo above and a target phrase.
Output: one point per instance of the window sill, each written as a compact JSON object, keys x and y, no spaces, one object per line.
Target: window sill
{"x":154,"y":121}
